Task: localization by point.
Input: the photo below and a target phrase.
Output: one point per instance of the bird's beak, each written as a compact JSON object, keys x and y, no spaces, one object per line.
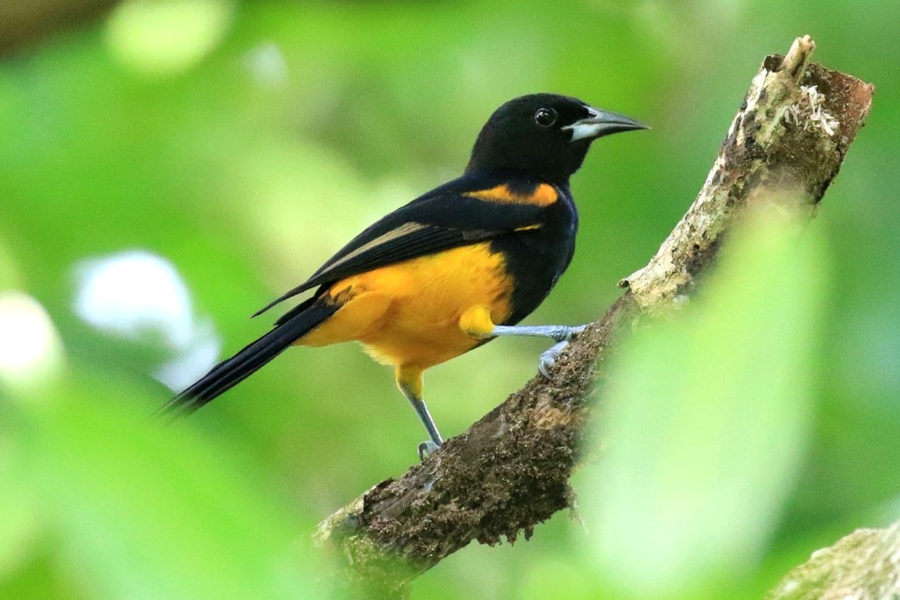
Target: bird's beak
{"x":600,"y":123}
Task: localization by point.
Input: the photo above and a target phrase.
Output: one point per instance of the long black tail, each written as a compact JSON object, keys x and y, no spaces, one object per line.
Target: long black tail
{"x":232,"y":371}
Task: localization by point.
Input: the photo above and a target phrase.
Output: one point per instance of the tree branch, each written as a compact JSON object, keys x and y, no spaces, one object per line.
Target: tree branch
{"x":864,"y":565}
{"x":509,"y":471}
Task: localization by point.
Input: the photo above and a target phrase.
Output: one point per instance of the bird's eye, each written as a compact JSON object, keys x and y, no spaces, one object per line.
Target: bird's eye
{"x":545,"y":117}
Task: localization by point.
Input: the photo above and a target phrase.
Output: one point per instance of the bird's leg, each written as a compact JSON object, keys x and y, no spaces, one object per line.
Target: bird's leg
{"x":477,"y":322}
{"x":409,"y":380}
{"x":562,"y":334}
{"x":558,"y":333}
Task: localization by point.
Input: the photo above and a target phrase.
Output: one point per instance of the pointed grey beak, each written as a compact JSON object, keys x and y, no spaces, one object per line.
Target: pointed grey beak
{"x":600,"y":123}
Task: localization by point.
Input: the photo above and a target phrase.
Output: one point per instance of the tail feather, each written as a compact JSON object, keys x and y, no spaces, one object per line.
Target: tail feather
{"x":232,"y":371}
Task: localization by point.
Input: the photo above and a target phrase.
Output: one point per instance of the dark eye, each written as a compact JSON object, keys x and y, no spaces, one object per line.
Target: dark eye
{"x":545,"y":117}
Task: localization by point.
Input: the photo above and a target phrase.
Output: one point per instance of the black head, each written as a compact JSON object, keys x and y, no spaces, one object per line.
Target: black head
{"x":543,"y":136}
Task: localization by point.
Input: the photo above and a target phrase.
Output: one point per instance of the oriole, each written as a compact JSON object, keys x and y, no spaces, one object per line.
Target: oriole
{"x":454,"y":268}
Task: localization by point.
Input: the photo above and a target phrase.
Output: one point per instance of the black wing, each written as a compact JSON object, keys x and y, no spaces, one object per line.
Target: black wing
{"x":444,"y":218}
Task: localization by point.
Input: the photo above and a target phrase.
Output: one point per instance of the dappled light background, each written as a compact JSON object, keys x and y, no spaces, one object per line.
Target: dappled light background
{"x":169,"y":168}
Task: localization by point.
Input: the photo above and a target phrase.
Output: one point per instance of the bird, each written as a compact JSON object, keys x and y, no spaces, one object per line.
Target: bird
{"x":454,"y":268}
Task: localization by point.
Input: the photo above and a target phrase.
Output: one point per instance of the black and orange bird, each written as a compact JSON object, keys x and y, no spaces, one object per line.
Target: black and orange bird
{"x":454,"y":268}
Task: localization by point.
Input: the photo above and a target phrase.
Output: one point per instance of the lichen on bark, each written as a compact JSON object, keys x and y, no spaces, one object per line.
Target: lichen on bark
{"x":864,"y":565}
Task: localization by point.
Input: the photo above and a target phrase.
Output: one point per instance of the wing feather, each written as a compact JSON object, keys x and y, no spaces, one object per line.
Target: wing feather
{"x":447,"y":217}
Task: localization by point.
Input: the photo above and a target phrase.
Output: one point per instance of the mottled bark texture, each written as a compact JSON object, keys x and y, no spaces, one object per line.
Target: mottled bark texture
{"x":510,"y":470}
{"x":864,"y":565}
{"x":785,"y":144}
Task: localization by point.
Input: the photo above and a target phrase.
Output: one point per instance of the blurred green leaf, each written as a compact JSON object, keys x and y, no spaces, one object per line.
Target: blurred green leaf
{"x":708,"y":418}
{"x":166,"y":36}
{"x":145,"y":511}
{"x":20,"y":519}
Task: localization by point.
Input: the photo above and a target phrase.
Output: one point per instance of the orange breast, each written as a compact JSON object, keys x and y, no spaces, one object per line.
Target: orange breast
{"x":408,"y":314}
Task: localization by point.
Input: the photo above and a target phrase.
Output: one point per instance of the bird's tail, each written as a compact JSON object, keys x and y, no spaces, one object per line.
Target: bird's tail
{"x":232,"y":371}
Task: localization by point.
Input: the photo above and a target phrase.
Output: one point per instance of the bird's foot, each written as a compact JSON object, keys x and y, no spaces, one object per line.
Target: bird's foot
{"x":426,"y":448}
{"x":565,"y":334}
{"x":549,"y":356}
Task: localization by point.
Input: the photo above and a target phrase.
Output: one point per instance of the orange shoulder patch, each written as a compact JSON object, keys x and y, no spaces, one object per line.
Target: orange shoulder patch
{"x":542,"y":195}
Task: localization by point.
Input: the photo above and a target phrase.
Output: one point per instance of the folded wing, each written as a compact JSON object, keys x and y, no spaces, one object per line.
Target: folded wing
{"x":453,"y":215}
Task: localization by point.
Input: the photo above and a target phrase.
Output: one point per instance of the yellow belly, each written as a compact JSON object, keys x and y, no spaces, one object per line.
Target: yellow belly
{"x":408,"y":314}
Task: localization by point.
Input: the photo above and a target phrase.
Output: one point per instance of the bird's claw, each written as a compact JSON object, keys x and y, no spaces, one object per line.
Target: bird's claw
{"x":426,"y":448}
{"x":564,"y":334}
{"x":549,"y":356}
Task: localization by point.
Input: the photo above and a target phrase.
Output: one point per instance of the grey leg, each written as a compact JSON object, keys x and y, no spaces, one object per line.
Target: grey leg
{"x":561,"y":334}
{"x":429,"y":446}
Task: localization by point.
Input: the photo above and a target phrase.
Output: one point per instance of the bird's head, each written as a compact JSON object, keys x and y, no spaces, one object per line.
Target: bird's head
{"x":543,"y":135}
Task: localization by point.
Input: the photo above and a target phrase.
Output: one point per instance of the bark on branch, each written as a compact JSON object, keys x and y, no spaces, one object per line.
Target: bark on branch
{"x":510,"y":470}
{"x":864,"y":565}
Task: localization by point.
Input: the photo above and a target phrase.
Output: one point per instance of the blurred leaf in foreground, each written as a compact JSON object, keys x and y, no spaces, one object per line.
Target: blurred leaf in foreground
{"x":708,"y":418}
{"x":138,"y":510}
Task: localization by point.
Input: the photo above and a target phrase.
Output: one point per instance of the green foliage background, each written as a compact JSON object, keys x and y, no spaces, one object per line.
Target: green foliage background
{"x":245,"y":142}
